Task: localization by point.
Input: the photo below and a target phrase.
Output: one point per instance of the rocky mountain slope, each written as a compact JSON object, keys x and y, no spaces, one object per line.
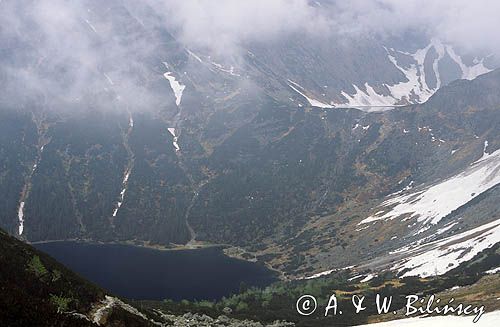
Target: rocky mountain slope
{"x":170,"y":146}
{"x":38,"y":291}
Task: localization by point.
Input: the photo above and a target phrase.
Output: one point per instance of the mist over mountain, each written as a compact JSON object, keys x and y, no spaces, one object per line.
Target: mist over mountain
{"x":308,"y":136}
{"x":68,"y":49}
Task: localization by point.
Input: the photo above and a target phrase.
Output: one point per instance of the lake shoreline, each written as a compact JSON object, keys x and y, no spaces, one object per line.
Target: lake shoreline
{"x":228,"y":250}
{"x":146,"y":272}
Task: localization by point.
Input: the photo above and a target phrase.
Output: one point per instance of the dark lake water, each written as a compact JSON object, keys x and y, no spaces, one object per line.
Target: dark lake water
{"x":142,"y":273}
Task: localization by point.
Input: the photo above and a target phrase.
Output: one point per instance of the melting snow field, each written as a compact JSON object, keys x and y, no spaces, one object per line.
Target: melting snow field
{"x":368,"y":98}
{"x":487,"y":320}
{"x":312,"y":102}
{"x":438,"y":257}
{"x":416,"y":84}
{"x":177,"y":87}
{"x":433,"y":203}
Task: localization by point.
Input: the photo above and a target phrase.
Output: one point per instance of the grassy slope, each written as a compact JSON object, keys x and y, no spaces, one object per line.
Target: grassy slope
{"x":36,"y":290}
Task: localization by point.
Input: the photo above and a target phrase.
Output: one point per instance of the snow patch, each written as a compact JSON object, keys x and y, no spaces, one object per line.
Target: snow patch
{"x":312,"y":102}
{"x":446,"y":228}
{"x":177,"y":87}
{"x":438,"y":257}
{"x":194,"y":55}
{"x":367,"y":278}
{"x":327,"y":272}
{"x":355,"y":277}
{"x":229,"y":70}
{"x":20,"y":217}
{"x":487,"y":320}
{"x":175,"y":143}
{"x":367,"y":98}
{"x":122,"y":193}
{"x":493,"y":271}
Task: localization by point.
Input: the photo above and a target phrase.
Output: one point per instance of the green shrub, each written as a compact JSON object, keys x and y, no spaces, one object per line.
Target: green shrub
{"x":36,"y":266}
{"x":56,"y":275}
{"x":60,"y":302}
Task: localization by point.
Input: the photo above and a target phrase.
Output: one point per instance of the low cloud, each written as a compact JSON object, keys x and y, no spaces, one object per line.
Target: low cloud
{"x":471,"y":25}
{"x":62,"y":48}
{"x":68,"y":51}
{"x":225,"y":25}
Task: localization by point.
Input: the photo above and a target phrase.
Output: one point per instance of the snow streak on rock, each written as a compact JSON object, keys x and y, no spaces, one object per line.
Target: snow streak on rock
{"x":221,"y":68}
{"x":171,"y":130}
{"x":468,"y":72}
{"x":312,"y":102}
{"x":194,"y":55}
{"x":24,"y":194}
{"x":128,"y":169}
{"x":122,"y":193}
{"x":91,"y":26}
{"x":110,"y":81}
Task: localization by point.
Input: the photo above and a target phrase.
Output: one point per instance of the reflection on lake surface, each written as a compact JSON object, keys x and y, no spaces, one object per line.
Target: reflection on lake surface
{"x":143,"y":273}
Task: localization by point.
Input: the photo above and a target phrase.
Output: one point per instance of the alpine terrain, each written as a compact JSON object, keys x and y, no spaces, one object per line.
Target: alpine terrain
{"x":317,"y":156}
